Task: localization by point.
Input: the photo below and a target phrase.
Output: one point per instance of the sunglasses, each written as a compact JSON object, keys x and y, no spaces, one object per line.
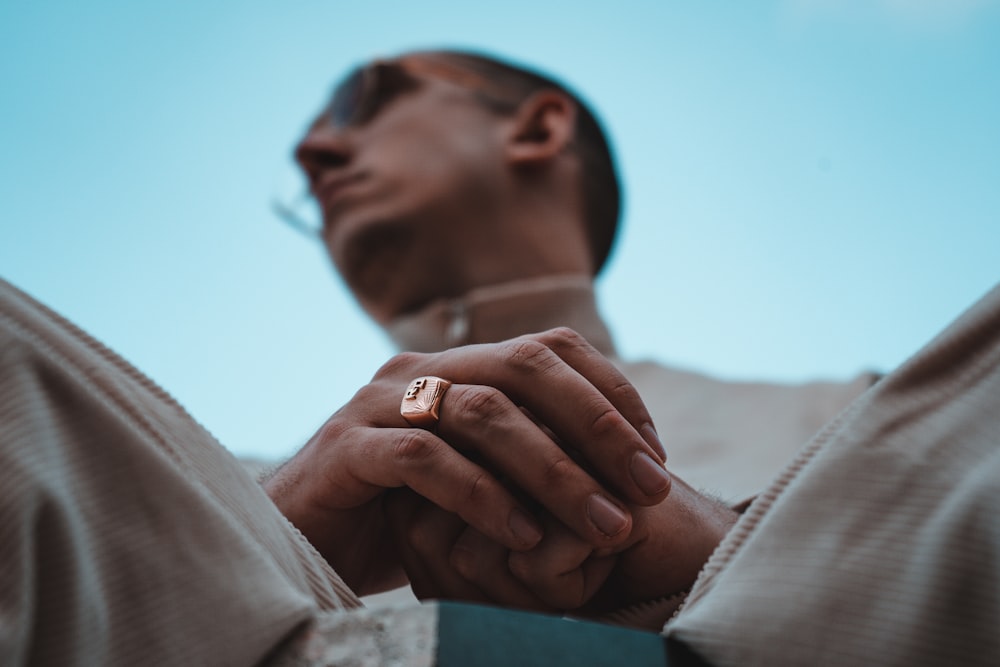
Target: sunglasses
{"x":368,"y":89}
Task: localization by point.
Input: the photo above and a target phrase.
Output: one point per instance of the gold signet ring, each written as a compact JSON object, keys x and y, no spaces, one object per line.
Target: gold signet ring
{"x":422,"y":401}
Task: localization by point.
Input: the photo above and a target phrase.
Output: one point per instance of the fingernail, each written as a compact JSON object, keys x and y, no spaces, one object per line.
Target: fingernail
{"x":606,"y":516}
{"x":525,"y":528}
{"x":648,"y":433}
{"x":649,"y":475}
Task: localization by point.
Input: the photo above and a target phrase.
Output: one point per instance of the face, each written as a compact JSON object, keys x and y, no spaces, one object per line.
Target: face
{"x":406,"y":165}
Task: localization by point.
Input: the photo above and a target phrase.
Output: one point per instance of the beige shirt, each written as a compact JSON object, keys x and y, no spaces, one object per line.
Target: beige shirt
{"x":880,"y":543}
{"x":128,"y":536}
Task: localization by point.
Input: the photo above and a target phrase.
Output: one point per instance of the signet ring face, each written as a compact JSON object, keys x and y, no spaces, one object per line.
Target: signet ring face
{"x":421,"y":403}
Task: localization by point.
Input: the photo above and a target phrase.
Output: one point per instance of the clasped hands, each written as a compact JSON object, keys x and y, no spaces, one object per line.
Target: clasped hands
{"x":542,"y":488}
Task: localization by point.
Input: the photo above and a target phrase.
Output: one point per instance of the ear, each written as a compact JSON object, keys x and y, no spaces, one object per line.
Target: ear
{"x":542,"y":127}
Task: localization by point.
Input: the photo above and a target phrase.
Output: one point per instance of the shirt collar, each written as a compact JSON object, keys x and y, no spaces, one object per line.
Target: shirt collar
{"x":498,"y":312}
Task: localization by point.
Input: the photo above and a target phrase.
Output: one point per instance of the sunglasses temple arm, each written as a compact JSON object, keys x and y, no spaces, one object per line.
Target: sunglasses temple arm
{"x":293,"y":220}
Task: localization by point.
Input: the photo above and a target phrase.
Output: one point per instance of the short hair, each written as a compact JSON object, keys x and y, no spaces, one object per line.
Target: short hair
{"x":599,"y":187}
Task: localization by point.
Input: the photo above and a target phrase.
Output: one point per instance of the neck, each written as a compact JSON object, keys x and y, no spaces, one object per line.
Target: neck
{"x":498,"y":312}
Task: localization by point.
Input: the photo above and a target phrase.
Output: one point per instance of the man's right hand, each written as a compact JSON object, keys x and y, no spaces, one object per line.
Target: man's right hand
{"x":667,"y":548}
{"x":508,"y":401}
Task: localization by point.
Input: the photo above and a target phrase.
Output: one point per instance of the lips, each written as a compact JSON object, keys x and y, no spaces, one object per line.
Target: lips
{"x":330,"y":191}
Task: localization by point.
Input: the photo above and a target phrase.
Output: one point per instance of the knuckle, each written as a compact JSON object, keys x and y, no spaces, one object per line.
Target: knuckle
{"x":563,"y":338}
{"x":530,"y":356}
{"x":561,"y":590}
{"x":369,"y":393}
{"x":476,"y":489}
{"x":480,"y":404}
{"x":400,"y":364}
{"x":559,"y":473}
{"x":622,"y":390}
{"x":606,"y":422}
{"x":334,"y":430}
{"x":415,"y":448}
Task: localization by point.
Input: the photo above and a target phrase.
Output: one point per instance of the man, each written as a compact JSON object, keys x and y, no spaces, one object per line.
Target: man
{"x":130,"y":536}
{"x":100,"y":467}
{"x":466,"y":200}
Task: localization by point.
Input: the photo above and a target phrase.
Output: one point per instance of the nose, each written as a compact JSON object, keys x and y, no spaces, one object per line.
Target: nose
{"x":322,"y":149}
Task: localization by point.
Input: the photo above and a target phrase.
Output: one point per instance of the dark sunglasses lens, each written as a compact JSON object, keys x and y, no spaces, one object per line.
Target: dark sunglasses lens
{"x":348,"y":99}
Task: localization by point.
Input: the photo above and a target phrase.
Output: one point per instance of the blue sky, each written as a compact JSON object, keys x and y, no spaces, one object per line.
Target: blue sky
{"x":812,"y":186}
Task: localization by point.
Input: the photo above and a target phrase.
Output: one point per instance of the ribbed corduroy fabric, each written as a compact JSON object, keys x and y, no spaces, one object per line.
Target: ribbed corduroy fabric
{"x":880,"y":543}
{"x":128,"y":536}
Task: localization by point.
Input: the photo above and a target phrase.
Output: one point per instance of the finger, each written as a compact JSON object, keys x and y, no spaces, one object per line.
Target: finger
{"x":390,"y":458}
{"x":424,"y":535}
{"x":483,"y":420}
{"x":605,"y":376}
{"x":483,"y":562}
{"x":562,"y":570}
{"x":480,"y":420}
{"x":573,"y":404}
{"x":638,"y":473}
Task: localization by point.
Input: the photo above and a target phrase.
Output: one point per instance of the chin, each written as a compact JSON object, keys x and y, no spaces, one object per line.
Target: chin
{"x":370,"y":255}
